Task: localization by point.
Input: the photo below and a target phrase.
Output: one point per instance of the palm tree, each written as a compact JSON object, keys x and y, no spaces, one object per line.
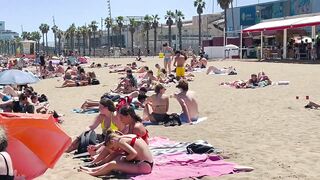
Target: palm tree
{"x":155,"y":25}
{"x":36,"y":36}
{"x":89,"y":39}
{"x":93,"y":26}
{"x":108,"y":23}
{"x":146,"y":26}
{"x":72,"y":30}
{"x":78,"y":35}
{"x":119,"y":21}
{"x":224,"y":4}
{"x":169,"y":16}
{"x":44,"y":28}
{"x":54,"y":30}
{"x":84,"y":32}
{"x":178,"y":17}
{"x":26,"y":35}
{"x":132,"y":29}
{"x":67,"y":37}
{"x":59,"y":36}
{"x":200,"y":5}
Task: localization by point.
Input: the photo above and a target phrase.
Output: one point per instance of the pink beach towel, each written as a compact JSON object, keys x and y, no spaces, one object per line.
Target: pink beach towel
{"x":178,"y":166}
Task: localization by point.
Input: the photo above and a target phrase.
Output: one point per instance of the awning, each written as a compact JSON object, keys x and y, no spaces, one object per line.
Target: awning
{"x":284,"y":23}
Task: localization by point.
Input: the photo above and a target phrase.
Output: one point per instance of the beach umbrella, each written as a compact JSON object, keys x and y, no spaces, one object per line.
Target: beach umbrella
{"x":299,"y":39}
{"x":17,"y":77}
{"x":35,"y":142}
{"x":231,"y":46}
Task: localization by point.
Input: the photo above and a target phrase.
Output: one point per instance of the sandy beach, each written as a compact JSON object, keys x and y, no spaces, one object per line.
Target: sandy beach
{"x":265,"y":128}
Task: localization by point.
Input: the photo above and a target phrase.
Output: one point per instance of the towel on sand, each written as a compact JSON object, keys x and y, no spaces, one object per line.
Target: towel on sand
{"x":88,"y":111}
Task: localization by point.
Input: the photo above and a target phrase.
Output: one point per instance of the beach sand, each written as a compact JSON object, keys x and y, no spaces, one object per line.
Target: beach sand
{"x":266,"y":128}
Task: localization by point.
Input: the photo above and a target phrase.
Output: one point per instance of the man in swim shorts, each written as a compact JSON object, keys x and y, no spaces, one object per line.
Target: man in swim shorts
{"x":179,"y":62}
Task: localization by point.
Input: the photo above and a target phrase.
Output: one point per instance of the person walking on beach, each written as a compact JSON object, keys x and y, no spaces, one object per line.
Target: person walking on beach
{"x":189,"y":105}
{"x":179,"y":62}
{"x":168,"y":53}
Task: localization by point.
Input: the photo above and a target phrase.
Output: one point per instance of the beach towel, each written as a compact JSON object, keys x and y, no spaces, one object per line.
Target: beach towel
{"x":199,"y":120}
{"x":88,"y":111}
{"x":181,"y":165}
{"x":199,"y":70}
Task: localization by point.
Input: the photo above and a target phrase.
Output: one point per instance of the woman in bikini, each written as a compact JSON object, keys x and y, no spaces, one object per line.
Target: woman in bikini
{"x":133,"y":156}
{"x":107,"y":119}
{"x":6,"y":170}
{"x":168,"y":53}
{"x":129,"y":118}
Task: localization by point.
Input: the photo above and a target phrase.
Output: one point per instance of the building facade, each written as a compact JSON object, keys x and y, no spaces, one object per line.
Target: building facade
{"x":250,"y":15}
{"x":6,"y":34}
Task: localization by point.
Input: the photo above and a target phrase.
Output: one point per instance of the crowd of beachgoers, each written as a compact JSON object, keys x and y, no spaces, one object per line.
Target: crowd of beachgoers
{"x":123,"y":144}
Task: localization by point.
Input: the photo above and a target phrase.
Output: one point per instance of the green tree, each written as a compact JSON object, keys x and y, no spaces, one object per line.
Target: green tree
{"x":26,"y":35}
{"x":108,"y":23}
{"x":54,"y":30}
{"x":132,"y":28}
{"x":59,"y":36}
{"x":178,"y":18}
{"x":169,"y":16}
{"x":44,"y":28}
{"x":78,"y":35}
{"x":84,"y":32}
{"x":147,"y":26}
{"x":93,"y":26}
{"x":119,"y":21}
{"x":200,"y":5}
{"x":72,"y":31}
{"x":155,"y":25}
{"x":224,"y":4}
{"x":36,"y":36}
{"x":89,"y":40}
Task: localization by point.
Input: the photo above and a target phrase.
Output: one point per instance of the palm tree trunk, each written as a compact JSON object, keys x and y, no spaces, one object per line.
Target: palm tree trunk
{"x":47,"y":43}
{"x":94,"y":43}
{"x":84,"y":45}
{"x":180,"y":40}
{"x":79,"y":45}
{"x":200,"y":41}
{"x":59,"y":46}
{"x":120,"y":41}
{"x":232,"y":16}
{"x":109,"y":41}
{"x":132,"y":50}
{"x":170,"y":35}
{"x":89,"y":43}
{"x":225,"y":24}
{"x":55,"y":43}
{"x":155,"y":41}
{"x":148,"y":43}
{"x":43,"y":45}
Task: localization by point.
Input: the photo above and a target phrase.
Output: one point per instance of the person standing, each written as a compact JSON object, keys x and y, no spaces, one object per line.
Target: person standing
{"x":168,"y":54}
{"x":179,"y":62}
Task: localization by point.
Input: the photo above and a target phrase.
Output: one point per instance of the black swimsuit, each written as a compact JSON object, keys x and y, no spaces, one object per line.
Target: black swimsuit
{"x":6,"y":177}
{"x":133,"y":141}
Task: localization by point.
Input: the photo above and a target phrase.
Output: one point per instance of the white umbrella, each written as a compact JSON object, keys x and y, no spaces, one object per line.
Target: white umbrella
{"x":17,"y":77}
{"x":304,"y":39}
{"x":231,"y":46}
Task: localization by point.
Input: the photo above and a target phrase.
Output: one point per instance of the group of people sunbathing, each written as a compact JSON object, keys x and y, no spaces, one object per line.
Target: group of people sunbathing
{"x":76,"y":76}
{"x":260,"y":80}
{"x":123,"y":144}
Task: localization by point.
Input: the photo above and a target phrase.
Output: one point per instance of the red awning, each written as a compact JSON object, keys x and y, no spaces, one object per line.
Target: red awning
{"x":281,"y":24}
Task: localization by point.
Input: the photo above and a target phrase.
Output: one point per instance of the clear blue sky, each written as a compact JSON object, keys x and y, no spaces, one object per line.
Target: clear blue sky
{"x":31,"y":13}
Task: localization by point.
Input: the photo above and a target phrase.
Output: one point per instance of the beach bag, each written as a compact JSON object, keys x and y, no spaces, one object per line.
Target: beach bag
{"x":95,"y":82}
{"x":172,"y":120}
{"x":87,"y":138}
{"x":200,"y":148}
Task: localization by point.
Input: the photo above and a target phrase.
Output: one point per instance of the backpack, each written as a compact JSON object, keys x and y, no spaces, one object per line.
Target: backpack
{"x":95,"y":82}
{"x":200,"y":148}
{"x":172,"y":120}
{"x":87,"y":138}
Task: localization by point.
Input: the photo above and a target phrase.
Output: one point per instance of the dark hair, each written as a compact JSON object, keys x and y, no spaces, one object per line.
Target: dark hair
{"x":165,"y":45}
{"x":254,"y":75}
{"x":3,"y":139}
{"x":150,"y":72}
{"x":108,"y":104}
{"x":183,"y":84}
{"x":23,"y":97}
{"x":163,"y":70}
{"x":142,"y":97}
{"x":129,"y":111}
{"x":177,"y":52}
{"x":34,"y":96}
{"x":129,"y":71}
{"x":146,"y":67}
{"x":158,"y":88}
{"x":143,"y":89}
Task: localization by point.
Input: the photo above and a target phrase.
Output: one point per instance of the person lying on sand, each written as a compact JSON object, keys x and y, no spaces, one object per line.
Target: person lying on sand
{"x":127,"y":85}
{"x":312,"y":105}
{"x":157,"y":105}
{"x":133,"y":157}
{"x":120,"y":69}
{"x":229,"y":71}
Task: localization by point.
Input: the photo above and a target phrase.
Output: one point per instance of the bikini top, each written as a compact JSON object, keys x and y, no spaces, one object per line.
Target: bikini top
{"x":113,"y":126}
{"x":7,"y":176}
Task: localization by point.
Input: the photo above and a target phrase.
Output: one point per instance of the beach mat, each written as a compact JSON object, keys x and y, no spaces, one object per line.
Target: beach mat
{"x":89,"y":111}
{"x":149,"y":123}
